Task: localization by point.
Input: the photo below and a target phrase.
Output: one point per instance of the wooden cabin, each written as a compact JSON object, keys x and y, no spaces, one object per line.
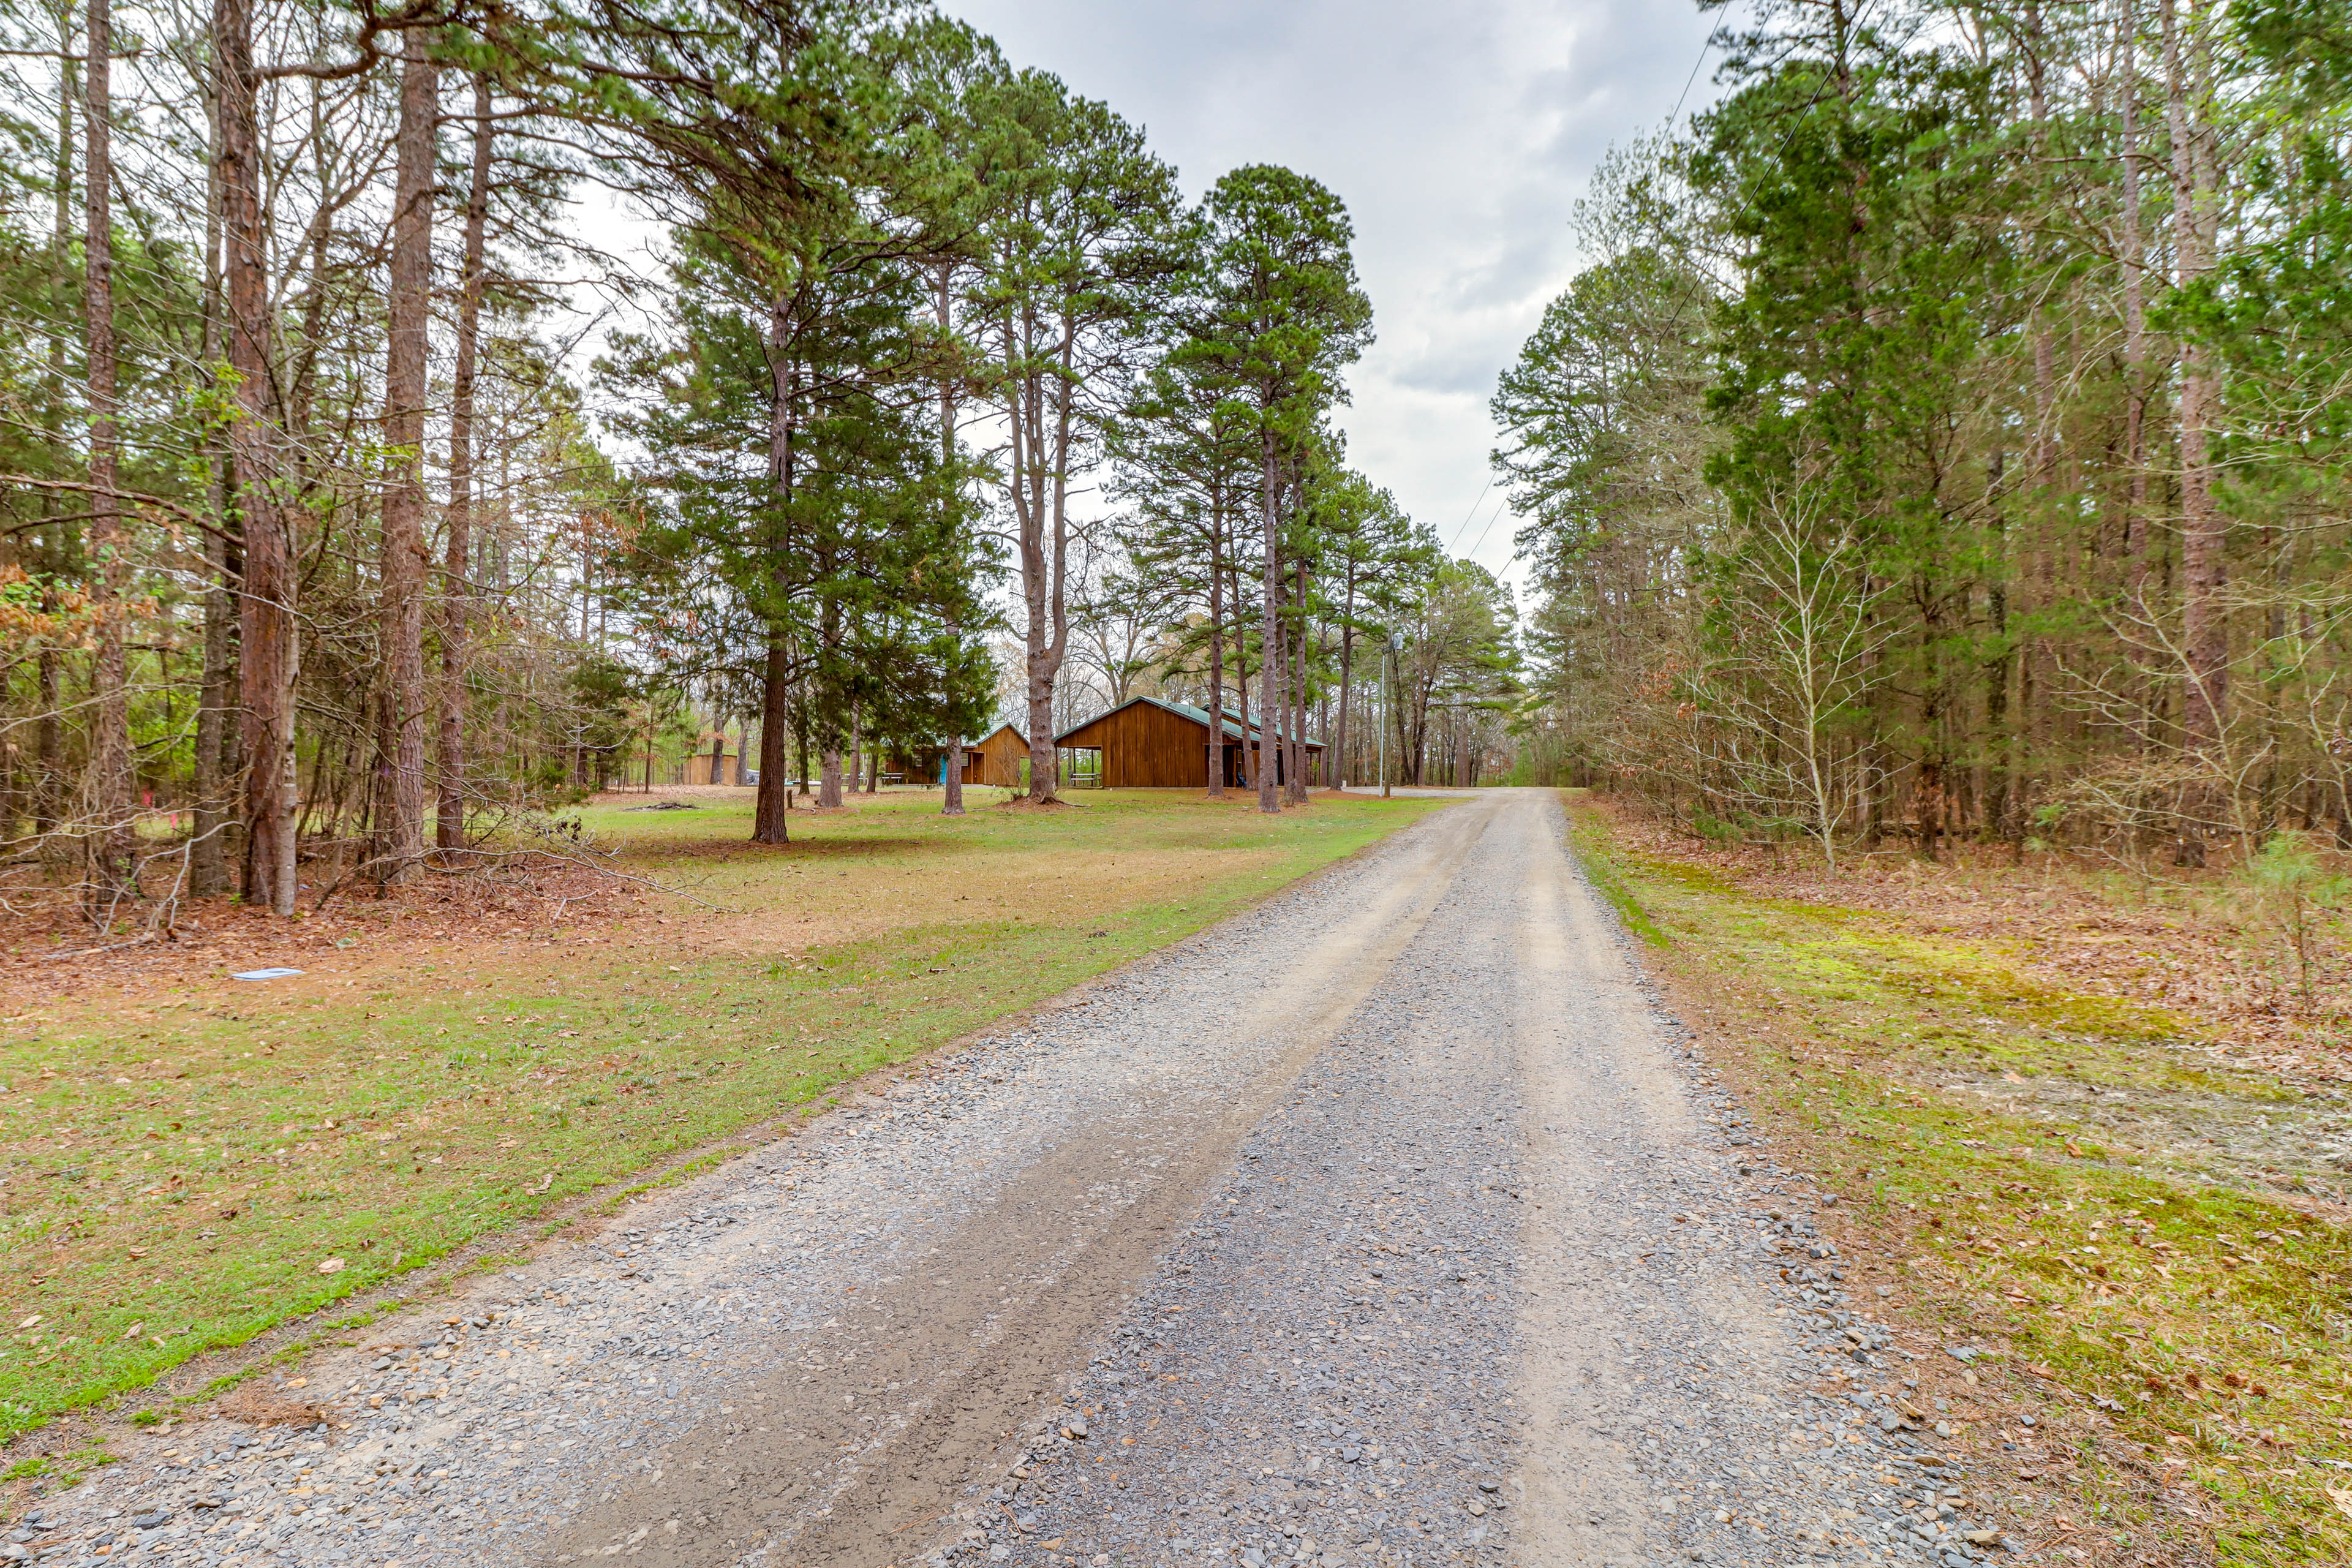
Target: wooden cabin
{"x":1146,"y":743}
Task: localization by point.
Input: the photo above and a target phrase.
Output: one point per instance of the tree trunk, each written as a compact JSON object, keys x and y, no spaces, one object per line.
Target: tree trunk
{"x":1044,"y":571}
{"x":801,"y":740}
{"x":2136,"y":390}
{"x":952,"y":773}
{"x":1298,"y":694}
{"x":770,"y":810}
{"x":207,"y":858}
{"x":1248,"y":756}
{"x":2204,"y":571}
{"x":771,"y":807}
{"x":1216,"y":649}
{"x":56,"y":552}
{"x":1339,"y":751}
{"x":270,"y":653}
{"x":857,"y":746}
{"x":111,"y":780}
{"x":400,"y":841}
{"x":1269,"y":628}
{"x":457,"y":553}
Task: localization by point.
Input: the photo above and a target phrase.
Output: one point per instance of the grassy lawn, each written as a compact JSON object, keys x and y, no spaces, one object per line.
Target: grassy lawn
{"x":191,"y":1161}
{"x":2089,"y":1185}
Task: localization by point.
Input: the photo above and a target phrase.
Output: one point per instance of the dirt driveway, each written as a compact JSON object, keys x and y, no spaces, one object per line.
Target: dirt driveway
{"x":1387,"y":1223}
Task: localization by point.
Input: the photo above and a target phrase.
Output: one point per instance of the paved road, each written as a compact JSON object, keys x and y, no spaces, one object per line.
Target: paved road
{"x":1389,"y":1223}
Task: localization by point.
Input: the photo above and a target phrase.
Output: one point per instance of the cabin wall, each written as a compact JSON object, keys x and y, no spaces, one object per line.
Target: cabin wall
{"x":1146,"y":747}
{"x":996,"y":761}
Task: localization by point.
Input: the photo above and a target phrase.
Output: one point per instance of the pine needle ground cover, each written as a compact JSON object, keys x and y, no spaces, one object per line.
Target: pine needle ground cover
{"x":2133,"y":1209}
{"x":190,"y":1160}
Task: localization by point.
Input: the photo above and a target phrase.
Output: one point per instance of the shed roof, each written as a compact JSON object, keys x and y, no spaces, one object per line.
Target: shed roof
{"x":1183,"y":710}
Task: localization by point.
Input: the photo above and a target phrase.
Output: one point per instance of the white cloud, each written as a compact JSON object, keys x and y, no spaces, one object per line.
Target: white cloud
{"x":1459,"y":134}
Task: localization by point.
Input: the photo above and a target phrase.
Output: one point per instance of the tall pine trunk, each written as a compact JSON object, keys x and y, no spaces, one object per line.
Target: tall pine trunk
{"x":55,"y":550}
{"x":2134,"y":296}
{"x":457,"y":548}
{"x":1248,"y":754}
{"x":951,"y":772}
{"x":1269,"y":630}
{"x":1299,"y":694}
{"x":270,"y":653}
{"x":1044,"y":561}
{"x":771,"y":808}
{"x":1339,"y":751}
{"x":400,"y":823}
{"x":207,"y":856}
{"x":111,"y":781}
{"x":1216,"y":646}
{"x":2204,"y":571}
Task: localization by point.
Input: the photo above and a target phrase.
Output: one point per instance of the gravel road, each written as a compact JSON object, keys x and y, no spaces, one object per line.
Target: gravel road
{"x":1391,"y":1223}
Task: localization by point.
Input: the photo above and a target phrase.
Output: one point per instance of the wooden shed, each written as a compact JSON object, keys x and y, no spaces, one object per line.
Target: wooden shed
{"x":925,"y":766}
{"x":1147,"y":743}
{"x":993,"y":761}
{"x":996,"y":758}
{"x":705,"y":768}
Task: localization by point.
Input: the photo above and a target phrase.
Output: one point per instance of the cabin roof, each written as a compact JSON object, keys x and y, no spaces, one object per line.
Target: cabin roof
{"x":1200,"y":716}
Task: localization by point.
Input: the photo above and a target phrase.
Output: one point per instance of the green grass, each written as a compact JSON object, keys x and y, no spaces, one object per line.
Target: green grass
{"x":2212,"y":1321}
{"x":414,"y":1099}
{"x":1602,"y":869}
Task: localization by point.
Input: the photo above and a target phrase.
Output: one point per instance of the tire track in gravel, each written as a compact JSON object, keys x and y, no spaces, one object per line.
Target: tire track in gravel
{"x":1510,"y":1306}
{"x":1074,"y":1232}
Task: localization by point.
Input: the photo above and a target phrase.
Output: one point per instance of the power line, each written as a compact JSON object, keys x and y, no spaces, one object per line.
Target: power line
{"x":1500,"y":508}
{"x":1706,"y":46}
{"x":1464,"y":526}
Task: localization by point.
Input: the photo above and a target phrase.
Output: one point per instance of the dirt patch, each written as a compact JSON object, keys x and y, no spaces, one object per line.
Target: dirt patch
{"x":265,"y":1409}
{"x":47,"y":960}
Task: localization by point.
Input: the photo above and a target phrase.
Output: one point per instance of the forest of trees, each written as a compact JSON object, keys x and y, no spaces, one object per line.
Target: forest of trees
{"x":1947,"y":440}
{"x":363,"y":490}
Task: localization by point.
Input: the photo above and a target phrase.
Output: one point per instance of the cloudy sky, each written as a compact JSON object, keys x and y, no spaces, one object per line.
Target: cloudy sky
{"x":1459,"y":132}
